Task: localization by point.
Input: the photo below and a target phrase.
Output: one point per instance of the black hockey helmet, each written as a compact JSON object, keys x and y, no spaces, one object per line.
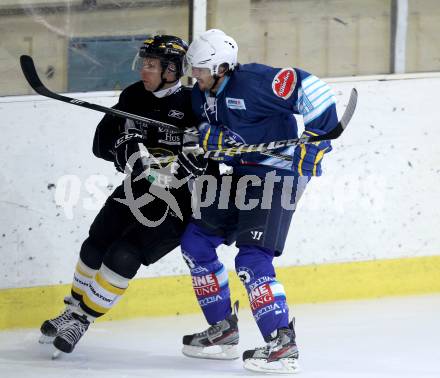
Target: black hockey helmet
{"x":169,"y":49}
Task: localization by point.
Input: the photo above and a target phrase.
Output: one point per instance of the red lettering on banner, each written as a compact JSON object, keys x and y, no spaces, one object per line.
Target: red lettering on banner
{"x":260,"y":296}
{"x":205,"y":285}
{"x":284,"y":83}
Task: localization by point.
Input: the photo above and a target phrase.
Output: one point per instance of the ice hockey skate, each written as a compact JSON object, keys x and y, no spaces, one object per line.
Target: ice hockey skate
{"x":70,"y":333}
{"x":50,"y":328}
{"x":279,"y":356}
{"x":218,"y":342}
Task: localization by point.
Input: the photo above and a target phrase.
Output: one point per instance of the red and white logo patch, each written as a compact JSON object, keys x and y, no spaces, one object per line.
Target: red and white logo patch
{"x":284,"y":83}
{"x":260,"y":296}
{"x":205,"y":285}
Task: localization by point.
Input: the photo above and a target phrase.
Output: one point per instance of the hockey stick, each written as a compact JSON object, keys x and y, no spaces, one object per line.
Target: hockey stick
{"x":267,"y":148}
{"x":30,"y":73}
{"x":239,"y":148}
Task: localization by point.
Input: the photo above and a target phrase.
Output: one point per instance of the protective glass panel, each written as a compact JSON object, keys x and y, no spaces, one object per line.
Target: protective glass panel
{"x":423,"y":37}
{"x":326,"y":37}
{"x":81,"y":45}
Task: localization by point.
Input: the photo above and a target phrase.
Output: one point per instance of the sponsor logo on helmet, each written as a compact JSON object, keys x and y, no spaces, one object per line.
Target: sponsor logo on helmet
{"x":284,"y":83}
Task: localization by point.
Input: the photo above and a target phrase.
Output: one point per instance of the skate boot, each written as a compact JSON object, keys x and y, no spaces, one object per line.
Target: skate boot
{"x":50,"y":328}
{"x":70,"y":333}
{"x":218,"y":342}
{"x":279,"y":356}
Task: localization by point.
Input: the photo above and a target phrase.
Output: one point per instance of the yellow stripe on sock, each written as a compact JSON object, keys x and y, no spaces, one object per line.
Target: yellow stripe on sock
{"x":107,"y":285}
{"x":80,"y":271}
{"x":94,"y":306}
{"x":77,"y":290}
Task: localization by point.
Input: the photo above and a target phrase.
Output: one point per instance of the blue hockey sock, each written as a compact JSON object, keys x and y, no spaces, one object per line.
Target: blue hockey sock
{"x":266,"y":295}
{"x":209,"y":276}
{"x":212,"y":292}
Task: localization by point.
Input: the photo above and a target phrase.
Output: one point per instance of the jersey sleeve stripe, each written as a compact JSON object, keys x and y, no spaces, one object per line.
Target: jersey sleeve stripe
{"x":318,"y":110}
{"x":314,"y":99}
{"x":328,"y":100}
{"x":309,"y":81}
{"x":309,"y":93}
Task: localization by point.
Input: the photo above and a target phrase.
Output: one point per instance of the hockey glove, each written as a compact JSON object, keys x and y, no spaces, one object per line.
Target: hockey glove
{"x":215,"y":138}
{"x":191,"y":164}
{"x":211,"y":137}
{"x":307,"y":157}
{"x":125,"y":146}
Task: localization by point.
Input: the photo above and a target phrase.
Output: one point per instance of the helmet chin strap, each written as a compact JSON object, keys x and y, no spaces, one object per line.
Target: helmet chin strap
{"x":216,"y":79}
{"x":163,"y":82}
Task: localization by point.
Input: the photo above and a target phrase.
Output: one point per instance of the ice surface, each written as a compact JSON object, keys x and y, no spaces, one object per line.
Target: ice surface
{"x":392,"y":337}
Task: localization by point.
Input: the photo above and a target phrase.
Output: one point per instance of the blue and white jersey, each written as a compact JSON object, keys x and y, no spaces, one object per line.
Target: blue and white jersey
{"x":257,"y":103}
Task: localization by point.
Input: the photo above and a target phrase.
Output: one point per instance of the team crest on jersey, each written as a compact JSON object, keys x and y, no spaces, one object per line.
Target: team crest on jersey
{"x":284,"y":83}
{"x":235,"y":103}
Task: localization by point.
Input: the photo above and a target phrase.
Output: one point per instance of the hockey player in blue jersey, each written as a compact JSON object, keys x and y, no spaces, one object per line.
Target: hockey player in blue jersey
{"x":251,"y":103}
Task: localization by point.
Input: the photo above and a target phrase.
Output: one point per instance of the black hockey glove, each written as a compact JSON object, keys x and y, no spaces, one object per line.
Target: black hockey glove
{"x":190,"y":163}
{"x":126,"y":145}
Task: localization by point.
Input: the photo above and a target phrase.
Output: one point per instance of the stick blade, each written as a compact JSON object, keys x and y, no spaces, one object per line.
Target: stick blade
{"x":342,"y":124}
{"x":30,"y":73}
{"x":351,"y":107}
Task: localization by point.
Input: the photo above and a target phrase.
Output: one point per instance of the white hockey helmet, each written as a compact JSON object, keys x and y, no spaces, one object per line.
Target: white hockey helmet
{"x":212,"y":49}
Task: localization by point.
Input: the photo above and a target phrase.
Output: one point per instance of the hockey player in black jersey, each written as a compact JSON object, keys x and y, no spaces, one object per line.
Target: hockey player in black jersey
{"x":118,"y":243}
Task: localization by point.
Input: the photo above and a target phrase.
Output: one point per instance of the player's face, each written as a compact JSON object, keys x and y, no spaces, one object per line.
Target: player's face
{"x":151,"y":73}
{"x":203,"y":77}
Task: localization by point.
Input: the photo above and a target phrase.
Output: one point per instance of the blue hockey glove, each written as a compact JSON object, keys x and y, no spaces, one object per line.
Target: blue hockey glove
{"x":211,"y":137}
{"x":307,"y":157}
{"x":215,"y":138}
